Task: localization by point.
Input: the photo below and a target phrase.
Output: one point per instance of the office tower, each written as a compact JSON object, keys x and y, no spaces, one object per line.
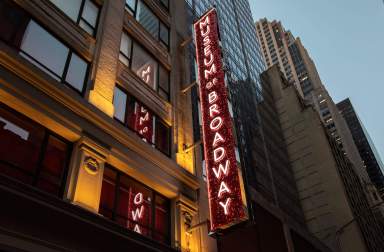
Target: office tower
{"x":276,"y":221}
{"x":367,"y":150}
{"x":280,"y":47}
{"x":94,"y":128}
{"x":332,"y":195}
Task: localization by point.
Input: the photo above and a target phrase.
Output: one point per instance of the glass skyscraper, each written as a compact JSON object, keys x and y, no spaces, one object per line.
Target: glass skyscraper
{"x":367,"y":150}
{"x":266,"y":171}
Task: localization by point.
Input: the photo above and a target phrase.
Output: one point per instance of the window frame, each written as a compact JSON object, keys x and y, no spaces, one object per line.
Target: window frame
{"x":61,"y":79}
{"x":134,"y":15}
{"x":130,"y":59}
{"x":80,"y":16}
{"x":154,"y":195}
{"x":155,"y":119}
{"x":164,"y":6}
{"x":41,"y":154}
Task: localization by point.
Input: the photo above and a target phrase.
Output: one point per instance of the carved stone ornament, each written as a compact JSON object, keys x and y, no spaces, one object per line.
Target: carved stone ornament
{"x":91,"y":165}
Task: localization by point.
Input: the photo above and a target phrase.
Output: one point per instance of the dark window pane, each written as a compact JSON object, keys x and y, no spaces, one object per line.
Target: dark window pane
{"x":22,"y":144}
{"x":144,"y":66}
{"x":161,"y":219}
{"x":44,"y":48}
{"x":163,"y":82}
{"x":165,"y":3}
{"x":122,"y":205}
{"x":164,"y":34}
{"x":147,"y":19}
{"x":107,"y":199}
{"x":76,"y":72}
{"x":131,"y":108}
{"x":136,"y":206}
{"x":55,"y":158}
{"x":13,"y":22}
{"x":162,"y":137}
{"x":120,"y":103}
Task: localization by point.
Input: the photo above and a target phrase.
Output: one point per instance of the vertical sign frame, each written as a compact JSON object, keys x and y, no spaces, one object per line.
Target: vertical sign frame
{"x":224,"y":188}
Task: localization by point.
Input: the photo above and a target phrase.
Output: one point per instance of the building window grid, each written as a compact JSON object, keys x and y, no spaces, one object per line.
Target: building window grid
{"x":132,"y":5}
{"x":157,"y":122}
{"x":115,"y":216}
{"x":126,"y":57}
{"x":23,"y":39}
{"x":41,"y":172}
{"x":81,"y":19}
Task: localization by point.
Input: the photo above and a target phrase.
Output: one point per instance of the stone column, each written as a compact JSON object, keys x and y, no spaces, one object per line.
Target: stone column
{"x":187,"y":237}
{"x":107,"y":55}
{"x":86,"y":174}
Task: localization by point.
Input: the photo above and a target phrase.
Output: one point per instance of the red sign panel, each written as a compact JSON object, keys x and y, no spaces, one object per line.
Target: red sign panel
{"x":224,"y":189}
{"x":139,"y":213}
{"x":144,"y":123}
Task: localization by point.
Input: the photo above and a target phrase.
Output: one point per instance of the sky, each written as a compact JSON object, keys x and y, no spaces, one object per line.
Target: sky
{"x":345,"y":38}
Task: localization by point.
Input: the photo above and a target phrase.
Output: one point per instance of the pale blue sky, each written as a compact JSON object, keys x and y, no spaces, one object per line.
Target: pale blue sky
{"x":345,"y":38}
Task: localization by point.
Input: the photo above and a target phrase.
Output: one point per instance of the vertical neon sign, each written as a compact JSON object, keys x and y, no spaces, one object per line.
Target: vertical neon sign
{"x":224,"y":189}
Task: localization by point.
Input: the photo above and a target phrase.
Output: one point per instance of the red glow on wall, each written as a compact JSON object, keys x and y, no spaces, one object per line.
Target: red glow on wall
{"x":225,"y":201}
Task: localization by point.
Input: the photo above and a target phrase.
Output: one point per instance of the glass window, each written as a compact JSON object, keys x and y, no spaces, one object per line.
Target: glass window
{"x":144,"y":15}
{"x":162,"y":137}
{"x":164,"y":34}
{"x":163,"y":83}
{"x":144,"y":66}
{"x":147,"y":19}
{"x":49,"y":54}
{"x":90,"y":13}
{"x":70,"y":7}
{"x":53,"y":166}
{"x":120,"y":103}
{"x":134,"y":206}
{"x":31,"y":154}
{"x":131,"y":5}
{"x":137,"y":117}
{"x":13,"y":22}
{"x":165,"y":3}
{"x":141,"y":121}
{"x":162,"y":218}
{"x":38,"y":45}
{"x":83,"y":12}
{"x":89,"y":17}
{"x":77,"y":71}
{"x":125,"y":49}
